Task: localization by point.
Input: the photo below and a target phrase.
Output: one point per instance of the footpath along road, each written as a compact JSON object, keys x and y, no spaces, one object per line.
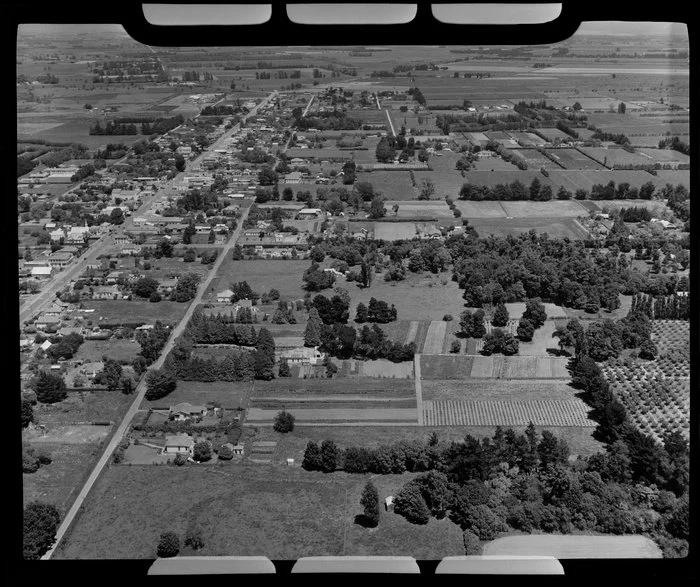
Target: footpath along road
{"x":141,"y":388}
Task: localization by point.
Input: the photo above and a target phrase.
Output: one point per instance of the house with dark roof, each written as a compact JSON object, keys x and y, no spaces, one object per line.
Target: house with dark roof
{"x":185,"y":411}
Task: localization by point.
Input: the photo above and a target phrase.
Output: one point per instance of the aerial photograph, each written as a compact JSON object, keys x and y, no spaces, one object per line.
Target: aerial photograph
{"x":374,"y":300}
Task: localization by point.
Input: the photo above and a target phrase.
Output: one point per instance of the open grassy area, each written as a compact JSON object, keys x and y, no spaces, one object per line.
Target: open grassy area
{"x":117,"y":349}
{"x":574,"y":546}
{"x":246,"y":509}
{"x":121,"y":311}
{"x":262,"y":276}
{"x":555,"y":227}
{"x":445,"y":367}
{"x":419,"y":297}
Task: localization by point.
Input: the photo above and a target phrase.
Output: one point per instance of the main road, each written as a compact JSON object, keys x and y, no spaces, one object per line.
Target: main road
{"x":33,"y":306}
{"x":141,"y":388}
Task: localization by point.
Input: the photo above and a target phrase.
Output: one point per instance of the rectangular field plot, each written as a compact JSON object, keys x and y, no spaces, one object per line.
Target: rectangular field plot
{"x":473,"y":389}
{"x":434,"y":338}
{"x":394,"y":185}
{"x":445,"y":367}
{"x":517,"y":367}
{"x":506,"y":413}
{"x":558,"y":209}
{"x":554,"y":227}
{"x":574,"y":159}
{"x":535,"y":159}
{"x":392,"y":231}
{"x":379,"y":368}
{"x":419,"y":209}
{"x":483,"y":209}
{"x":332,"y":415}
{"x":614,"y":157}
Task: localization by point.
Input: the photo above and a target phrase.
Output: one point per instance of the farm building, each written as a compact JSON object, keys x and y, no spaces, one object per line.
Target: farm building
{"x":184,"y":411}
{"x":308,"y":213}
{"x":303,"y":356}
{"x":178,"y":444}
{"x":41,"y":272}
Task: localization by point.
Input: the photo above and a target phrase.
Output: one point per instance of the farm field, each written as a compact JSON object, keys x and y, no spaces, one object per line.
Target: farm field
{"x":438,"y":367}
{"x":485,"y":209}
{"x":447,"y":182}
{"x":555,"y":227}
{"x":391,"y":231}
{"x":262,"y":276}
{"x":560,"y":209}
{"x":493,"y":164}
{"x":435,"y":337}
{"x":419,"y":209}
{"x":417,"y":298}
{"x":535,"y":159}
{"x":379,"y":368}
{"x":574,"y":159}
{"x":613,"y":157}
{"x":124,"y":311}
{"x":517,"y":367}
{"x":249,"y":509}
{"x":574,"y":546}
{"x":476,"y":390}
{"x":333,"y":415}
{"x":674,"y":177}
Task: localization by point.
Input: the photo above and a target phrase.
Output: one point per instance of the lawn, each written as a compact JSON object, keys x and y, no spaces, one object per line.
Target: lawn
{"x":246,"y":510}
{"x":124,"y":311}
{"x":262,"y":276}
{"x":417,"y":298}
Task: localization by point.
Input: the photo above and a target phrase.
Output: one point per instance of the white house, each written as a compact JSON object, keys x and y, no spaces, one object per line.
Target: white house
{"x":179,"y":444}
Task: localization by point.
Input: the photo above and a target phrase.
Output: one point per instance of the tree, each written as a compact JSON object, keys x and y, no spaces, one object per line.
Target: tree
{"x":283,"y":368}
{"x":410,"y":504}
{"x":194,"y":537}
{"x":159,"y":384}
{"x":500,"y":316}
{"x":202,"y":451}
{"x":116,"y":216}
{"x":621,"y":108}
{"x":312,"y":336}
{"x":535,"y":312}
{"x":284,"y":422}
{"x":648,"y":350}
{"x":525,"y":330}
{"x":312,"y":457}
{"x":330,"y":456}
{"x":377,"y":208}
{"x":27,"y":413}
{"x":168,"y":545}
{"x":39,"y":524}
{"x":179,"y":162}
{"x":188,"y":233}
{"x":370,"y":503}
{"x":267,"y":176}
{"x":472,"y":544}
{"x":366,"y":273}
{"x":110,"y":375}
{"x":427,"y":190}
{"x":361,"y":315}
{"x":49,"y":388}
{"x":190,"y":256}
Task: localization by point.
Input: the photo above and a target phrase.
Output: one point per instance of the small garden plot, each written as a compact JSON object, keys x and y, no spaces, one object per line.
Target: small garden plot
{"x":435,"y":337}
{"x":553,"y":209}
{"x":574,"y":159}
{"x":262,"y":276}
{"x":506,"y":413}
{"x":392,"y":231}
{"x":446,"y":366}
{"x":517,"y":368}
{"x":418,"y":209}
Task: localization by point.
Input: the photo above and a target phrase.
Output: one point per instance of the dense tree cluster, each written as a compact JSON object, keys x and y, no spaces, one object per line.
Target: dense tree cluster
{"x":674,"y":307}
{"x":344,"y":342}
{"x":219,"y":329}
{"x":316,"y":279}
{"x":39,"y":525}
{"x":378,"y":311}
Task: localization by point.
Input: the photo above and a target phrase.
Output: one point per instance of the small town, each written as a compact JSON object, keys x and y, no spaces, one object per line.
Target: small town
{"x":425,"y":311}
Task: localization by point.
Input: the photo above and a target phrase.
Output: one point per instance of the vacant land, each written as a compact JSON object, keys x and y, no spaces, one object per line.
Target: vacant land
{"x":392,"y":231}
{"x":124,"y":311}
{"x":562,"y":209}
{"x":394,"y":185}
{"x":262,"y":276}
{"x":419,"y":209}
{"x":248,"y":509}
{"x":574,"y":546}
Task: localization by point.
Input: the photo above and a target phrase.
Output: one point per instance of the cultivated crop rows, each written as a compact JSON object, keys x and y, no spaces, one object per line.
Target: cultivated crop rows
{"x":506,"y":413}
{"x":656,"y":394}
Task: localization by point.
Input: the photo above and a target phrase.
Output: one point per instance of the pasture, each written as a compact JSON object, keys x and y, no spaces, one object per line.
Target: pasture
{"x":447,"y":182}
{"x":552,"y":209}
{"x":249,"y":509}
{"x":573,"y":159}
{"x":117,"y":349}
{"x":613,"y":157}
{"x":394,"y":185}
{"x":392,"y":231}
{"x":574,"y":546}
{"x":419,"y":208}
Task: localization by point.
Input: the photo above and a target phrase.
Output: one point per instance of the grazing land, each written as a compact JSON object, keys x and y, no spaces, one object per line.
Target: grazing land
{"x":262,"y":276}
